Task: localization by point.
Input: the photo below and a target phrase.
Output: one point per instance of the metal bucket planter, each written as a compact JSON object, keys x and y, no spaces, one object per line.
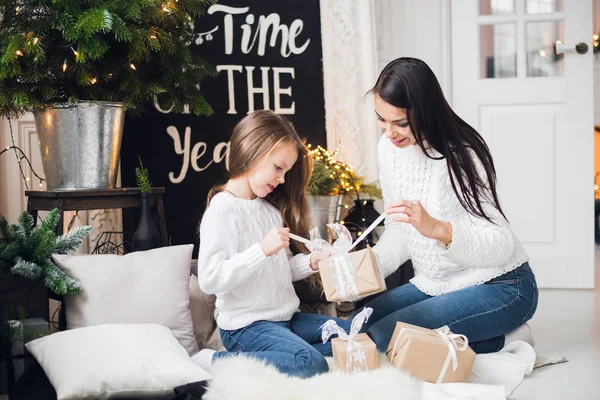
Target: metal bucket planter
{"x":323,"y":211}
{"x":80,"y":143}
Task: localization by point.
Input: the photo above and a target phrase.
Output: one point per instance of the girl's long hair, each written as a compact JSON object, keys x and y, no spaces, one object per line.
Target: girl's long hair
{"x":255,"y":137}
{"x":409,"y":83}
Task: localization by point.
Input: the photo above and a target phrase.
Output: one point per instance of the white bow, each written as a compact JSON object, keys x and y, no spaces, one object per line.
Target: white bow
{"x":451,"y":340}
{"x":356,"y":360}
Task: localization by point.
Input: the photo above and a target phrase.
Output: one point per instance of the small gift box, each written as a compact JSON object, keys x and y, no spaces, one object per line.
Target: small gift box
{"x":437,"y":356}
{"x":353,"y":352}
{"x":350,"y":276}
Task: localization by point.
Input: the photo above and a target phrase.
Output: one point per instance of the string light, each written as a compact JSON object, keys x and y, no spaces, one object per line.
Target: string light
{"x":19,"y":52}
{"x":93,"y":80}
{"x":152,"y":36}
{"x":35,"y":40}
{"x":75,"y":52}
{"x":132,"y":66}
{"x":64,"y":67}
{"x":23,"y":156}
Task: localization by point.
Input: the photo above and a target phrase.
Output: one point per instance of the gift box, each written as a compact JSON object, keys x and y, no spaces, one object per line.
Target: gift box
{"x":351,"y":276}
{"x":437,"y":356}
{"x":353,"y":351}
{"x":341,"y":350}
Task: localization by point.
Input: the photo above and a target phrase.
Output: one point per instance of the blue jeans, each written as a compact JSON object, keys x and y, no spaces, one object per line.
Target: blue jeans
{"x":294,"y":347}
{"x":484,"y":313}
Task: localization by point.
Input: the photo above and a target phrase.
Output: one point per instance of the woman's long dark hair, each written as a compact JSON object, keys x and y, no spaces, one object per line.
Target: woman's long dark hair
{"x":409,"y":83}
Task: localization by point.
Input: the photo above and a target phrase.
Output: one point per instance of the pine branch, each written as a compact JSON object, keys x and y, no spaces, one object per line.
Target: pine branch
{"x":26,"y":269}
{"x":93,"y":21}
{"x":51,"y":221}
{"x":71,"y":241}
{"x":54,"y":278}
{"x":26,"y":222}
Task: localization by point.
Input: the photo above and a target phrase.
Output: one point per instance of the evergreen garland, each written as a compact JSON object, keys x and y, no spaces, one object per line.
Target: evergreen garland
{"x":100,"y":50}
{"x":30,"y":250}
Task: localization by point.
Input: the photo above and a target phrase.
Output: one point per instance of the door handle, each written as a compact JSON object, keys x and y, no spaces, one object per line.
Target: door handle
{"x":580,"y":48}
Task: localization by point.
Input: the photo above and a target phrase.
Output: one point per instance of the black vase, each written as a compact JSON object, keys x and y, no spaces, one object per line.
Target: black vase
{"x":146,"y":235}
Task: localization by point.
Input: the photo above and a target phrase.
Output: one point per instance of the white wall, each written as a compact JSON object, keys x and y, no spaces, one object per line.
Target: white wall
{"x":12,"y":187}
{"x":416,"y":28}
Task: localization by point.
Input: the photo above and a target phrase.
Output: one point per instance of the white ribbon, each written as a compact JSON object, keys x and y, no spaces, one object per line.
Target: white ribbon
{"x":356,"y":360}
{"x":451,"y":341}
{"x":342,"y":270}
{"x":368,"y":230}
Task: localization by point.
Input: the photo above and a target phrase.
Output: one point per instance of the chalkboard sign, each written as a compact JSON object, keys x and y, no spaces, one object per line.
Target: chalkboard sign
{"x":269,"y":56}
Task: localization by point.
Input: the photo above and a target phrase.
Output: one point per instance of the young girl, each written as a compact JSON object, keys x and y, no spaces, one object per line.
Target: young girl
{"x":244,"y":257}
{"x":439,"y":187}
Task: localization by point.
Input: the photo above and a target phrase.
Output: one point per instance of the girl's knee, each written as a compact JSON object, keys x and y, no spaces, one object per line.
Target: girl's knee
{"x":311,"y":363}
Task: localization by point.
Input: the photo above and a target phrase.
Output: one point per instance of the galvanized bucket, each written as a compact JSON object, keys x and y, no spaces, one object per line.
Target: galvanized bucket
{"x":323,"y":210}
{"x":80,"y":143}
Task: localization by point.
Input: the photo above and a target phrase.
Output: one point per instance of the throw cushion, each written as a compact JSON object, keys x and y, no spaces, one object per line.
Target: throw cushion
{"x":202,"y":307}
{"x":115,"y":360}
{"x":145,"y":287}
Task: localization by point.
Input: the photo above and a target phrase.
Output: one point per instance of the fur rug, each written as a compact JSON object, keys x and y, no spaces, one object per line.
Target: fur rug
{"x":244,"y":378}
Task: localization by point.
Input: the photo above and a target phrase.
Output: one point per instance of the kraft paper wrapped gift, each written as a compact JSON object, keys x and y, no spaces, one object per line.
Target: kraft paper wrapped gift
{"x":437,"y":356}
{"x":362,"y":276}
{"x":353,"y":352}
{"x":340,"y":351}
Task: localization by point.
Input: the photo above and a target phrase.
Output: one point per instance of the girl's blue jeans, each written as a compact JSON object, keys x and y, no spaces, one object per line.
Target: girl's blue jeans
{"x":484,"y":313}
{"x":294,"y":347}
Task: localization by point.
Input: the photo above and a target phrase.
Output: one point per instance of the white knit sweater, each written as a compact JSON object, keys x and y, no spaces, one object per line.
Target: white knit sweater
{"x":480,"y":250}
{"x":231,"y":264}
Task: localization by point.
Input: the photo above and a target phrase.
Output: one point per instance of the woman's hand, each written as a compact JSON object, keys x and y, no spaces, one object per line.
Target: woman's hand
{"x":316,"y":257}
{"x":412,"y":212}
{"x":276,"y":239}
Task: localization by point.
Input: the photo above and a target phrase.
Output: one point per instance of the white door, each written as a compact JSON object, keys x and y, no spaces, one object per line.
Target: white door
{"x":535,"y":110}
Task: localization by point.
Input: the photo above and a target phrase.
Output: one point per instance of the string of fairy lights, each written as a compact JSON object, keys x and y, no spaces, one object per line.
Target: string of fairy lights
{"x":20,"y":155}
{"x":340,"y":171}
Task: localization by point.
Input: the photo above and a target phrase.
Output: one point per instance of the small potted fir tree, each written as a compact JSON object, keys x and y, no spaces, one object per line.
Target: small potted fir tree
{"x":77,"y":65}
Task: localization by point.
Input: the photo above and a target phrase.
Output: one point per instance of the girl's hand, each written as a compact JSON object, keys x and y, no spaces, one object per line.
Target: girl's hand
{"x":412,"y":212}
{"x":276,"y":239}
{"x":316,"y":257}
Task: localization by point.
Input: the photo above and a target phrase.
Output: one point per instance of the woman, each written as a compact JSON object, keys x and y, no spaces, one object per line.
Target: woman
{"x":439,"y":188}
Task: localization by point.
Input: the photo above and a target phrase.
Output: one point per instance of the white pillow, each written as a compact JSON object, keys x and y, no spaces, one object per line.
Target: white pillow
{"x":106,"y":361}
{"x":145,"y":287}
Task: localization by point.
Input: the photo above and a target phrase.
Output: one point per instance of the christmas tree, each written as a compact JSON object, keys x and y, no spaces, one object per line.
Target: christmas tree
{"x":30,"y":248}
{"x":129,"y":51}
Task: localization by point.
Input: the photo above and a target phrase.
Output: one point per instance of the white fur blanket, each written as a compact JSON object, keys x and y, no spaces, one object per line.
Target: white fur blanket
{"x":494,"y":377}
{"x":244,"y":378}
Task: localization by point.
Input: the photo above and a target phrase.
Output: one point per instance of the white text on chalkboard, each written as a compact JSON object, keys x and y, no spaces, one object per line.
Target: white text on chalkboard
{"x":261,"y":32}
{"x":264,"y":89}
{"x":192,"y":155}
